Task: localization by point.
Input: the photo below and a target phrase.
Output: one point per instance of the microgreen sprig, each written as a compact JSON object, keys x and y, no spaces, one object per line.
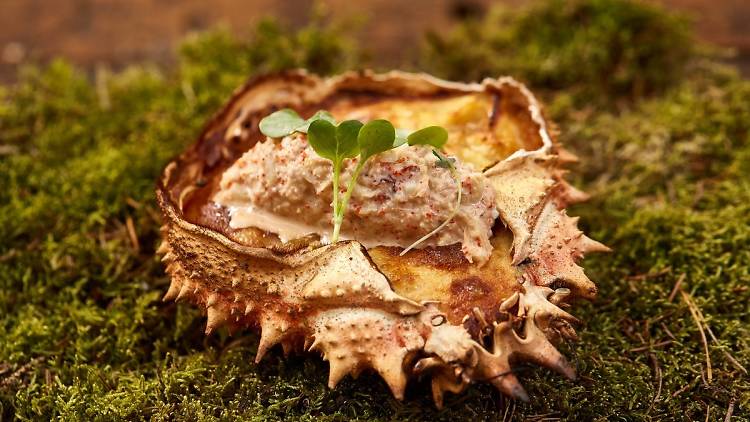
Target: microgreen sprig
{"x":337,"y":144}
{"x":352,"y":138}
{"x":373,"y":138}
{"x":347,"y":140}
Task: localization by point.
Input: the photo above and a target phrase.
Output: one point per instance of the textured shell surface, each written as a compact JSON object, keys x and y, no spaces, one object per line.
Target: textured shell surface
{"x":429,"y":313}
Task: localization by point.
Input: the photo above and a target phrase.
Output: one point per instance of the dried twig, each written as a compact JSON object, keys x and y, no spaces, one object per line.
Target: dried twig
{"x":132,"y":234}
{"x":14,"y":378}
{"x":676,"y":287}
{"x":657,"y":372}
{"x":702,"y":321}
{"x":730,"y":411}
{"x":694,"y":313}
{"x":666,"y":330}
{"x":729,"y":357}
{"x":682,"y":390}
{"x":507,"y":407}
{"x":133,"y":203}
{"x":512,"y":412}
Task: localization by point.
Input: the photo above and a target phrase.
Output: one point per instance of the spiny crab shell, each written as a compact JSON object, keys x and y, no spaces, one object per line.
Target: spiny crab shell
{"x":430,"y":312}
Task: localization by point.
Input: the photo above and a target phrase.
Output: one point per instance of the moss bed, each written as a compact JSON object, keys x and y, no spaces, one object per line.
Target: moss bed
{"x":663,"y":132}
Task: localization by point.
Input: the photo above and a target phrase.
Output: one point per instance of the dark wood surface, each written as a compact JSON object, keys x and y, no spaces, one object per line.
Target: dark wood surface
{"x":118,"y":32}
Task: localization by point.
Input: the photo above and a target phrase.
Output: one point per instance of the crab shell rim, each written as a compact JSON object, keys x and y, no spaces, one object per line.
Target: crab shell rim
{"x":536,"y":304}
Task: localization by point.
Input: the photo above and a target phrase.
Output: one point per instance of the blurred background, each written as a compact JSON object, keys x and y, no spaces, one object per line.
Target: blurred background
{"x":113,"y":33}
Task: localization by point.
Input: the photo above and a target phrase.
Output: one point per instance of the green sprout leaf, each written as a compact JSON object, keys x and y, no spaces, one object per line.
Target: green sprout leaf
{"x":323,"y":115}
{"x":375,"y":137}
{"x":443,"y":161}
{"x":322,"y":138}
{"x":280,"y":123}
{"x":346,"y":138}
{"x":435,"y":136}
{"x":319,"y":115}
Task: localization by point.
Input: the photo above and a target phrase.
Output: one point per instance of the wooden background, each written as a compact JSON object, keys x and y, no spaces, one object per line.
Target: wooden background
{"x":117,"y":32}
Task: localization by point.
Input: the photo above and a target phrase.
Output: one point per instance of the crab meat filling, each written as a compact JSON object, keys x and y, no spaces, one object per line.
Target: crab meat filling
{"x":284,"y":187}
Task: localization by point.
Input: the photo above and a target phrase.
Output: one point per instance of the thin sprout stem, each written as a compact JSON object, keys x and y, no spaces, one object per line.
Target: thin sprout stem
{"x":336,"y":205}
{"x":339,"y":216}
{"x":454,"y":173}
{"x":336,"y":229}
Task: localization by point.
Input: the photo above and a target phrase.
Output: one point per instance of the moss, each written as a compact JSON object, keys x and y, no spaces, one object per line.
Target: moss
{"x":83,"y":335}
{"x":673,"y":199}
{"x":596,"y":49}
{"x":215,"y":63}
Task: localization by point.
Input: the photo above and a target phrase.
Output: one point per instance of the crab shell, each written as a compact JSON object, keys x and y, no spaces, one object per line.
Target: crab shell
{"x":430,"y":312}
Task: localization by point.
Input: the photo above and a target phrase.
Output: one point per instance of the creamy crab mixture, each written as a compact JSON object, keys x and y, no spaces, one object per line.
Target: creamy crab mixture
{"x":284,"y":187}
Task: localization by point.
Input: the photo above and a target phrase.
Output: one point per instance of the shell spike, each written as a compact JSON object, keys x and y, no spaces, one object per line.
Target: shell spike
{"x":539,"y":350}
{"x":163,"y":248}
{"x":263,"y":348}
{"x":174,"y":290}
{"x":390,"y":368}
{"x":341,"y":365}
{"x":270,"y":335}
{"x":566,"y":157}
{"x":520,"y":246}
{"x":510,"y":302}
{"x":216,"y":318}
{"x":185,"y":291}
{"x":508,"y":384}
{"x":590,"y":245}
{"x":397,"y":383}
{"x":213,"y":298}
{"x":568,"y":194}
